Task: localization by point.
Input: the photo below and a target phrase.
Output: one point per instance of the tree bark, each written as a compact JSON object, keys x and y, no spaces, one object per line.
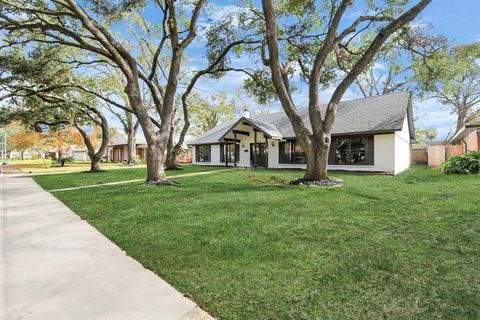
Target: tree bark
{"x":95,"y":163}
{"x":317,"y":163}
{"x":95,"y":157}
{"x":461,"y":116}
{"x":131,"y":146}
{"x":171,"y":161}
{"x":155,"y":163}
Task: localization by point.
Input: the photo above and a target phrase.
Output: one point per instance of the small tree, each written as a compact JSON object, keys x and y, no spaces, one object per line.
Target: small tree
{"x":24,"y":140}
{"x":424,"y":136}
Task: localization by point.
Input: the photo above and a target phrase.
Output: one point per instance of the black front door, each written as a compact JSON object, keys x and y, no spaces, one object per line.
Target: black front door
{"x":258,"y":155}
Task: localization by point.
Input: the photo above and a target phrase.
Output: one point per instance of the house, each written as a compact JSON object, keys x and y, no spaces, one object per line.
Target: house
{"x":118,"y":146}
{"x":78,"y":153}
{"x":468,"y":136}
{"x":372,"y":134}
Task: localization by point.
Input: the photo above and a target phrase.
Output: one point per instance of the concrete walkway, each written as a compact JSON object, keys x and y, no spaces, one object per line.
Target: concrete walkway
{"x":53,"y":265}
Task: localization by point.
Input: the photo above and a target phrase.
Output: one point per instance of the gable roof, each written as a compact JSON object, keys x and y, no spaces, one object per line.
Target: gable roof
{"x":378,"y":114}
{"x":120,"y":138}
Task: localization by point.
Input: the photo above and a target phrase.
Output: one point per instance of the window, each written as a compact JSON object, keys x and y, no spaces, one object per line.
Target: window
{"x":203,"y":153}
{"x":230,"y":152}
{"x":291,"y":152}
{"x":357,"y":150}
{"x":352,"y":150}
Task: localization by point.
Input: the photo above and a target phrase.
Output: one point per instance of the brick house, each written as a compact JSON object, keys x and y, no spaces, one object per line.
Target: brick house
{"x":468,"y":137}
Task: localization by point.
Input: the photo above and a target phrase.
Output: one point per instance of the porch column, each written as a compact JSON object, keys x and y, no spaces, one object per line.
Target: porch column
{"x":266,"y":152}
{"x":255,"y":148}
{"x":235,"y":149}
{"x":226,"y":153}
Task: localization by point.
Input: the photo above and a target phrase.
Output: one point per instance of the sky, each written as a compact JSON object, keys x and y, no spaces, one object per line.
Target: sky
{"x":458,"y":20}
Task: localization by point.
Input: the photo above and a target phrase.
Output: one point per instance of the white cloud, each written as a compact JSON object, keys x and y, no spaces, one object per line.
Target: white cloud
{"x":431,"y":113}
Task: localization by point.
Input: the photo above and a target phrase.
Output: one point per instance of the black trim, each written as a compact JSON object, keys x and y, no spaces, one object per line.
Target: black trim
{"x":351,"y":155}
{"x":242,"y":120}
{"x":245,"y":133}
{"x":288,"y":152}
{"x":291,"y":155}
{"x":208,"y":156}
{"x":230,"y":159}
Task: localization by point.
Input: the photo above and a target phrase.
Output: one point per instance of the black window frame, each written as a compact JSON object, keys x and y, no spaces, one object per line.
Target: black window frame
{"x":294,"y":156}
{"x":288,"y":151}
{"x":350,"y":153}
{"x":209,"y":153}
{"x":231,"y":156}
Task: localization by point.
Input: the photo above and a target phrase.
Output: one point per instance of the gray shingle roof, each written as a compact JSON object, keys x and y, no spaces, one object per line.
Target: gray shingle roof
{"x":384,"y":113}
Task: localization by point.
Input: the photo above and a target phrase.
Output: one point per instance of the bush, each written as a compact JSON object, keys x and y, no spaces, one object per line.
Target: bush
{"x":466,"y":164}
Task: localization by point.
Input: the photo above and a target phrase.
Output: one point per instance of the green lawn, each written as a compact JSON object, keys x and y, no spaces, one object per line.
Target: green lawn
{"x":244,"y":245}
{"x":77,"y":179}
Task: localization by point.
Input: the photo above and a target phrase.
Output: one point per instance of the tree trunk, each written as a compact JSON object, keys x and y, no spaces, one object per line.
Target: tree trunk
{"x":461,"y":116}
{"x":155,"y":162}
{"x":317,"y":162}
{"x":95,"y":163}
{"x":172,"y":152}
{"x":22,"y":155}
{"x":131,"y":146}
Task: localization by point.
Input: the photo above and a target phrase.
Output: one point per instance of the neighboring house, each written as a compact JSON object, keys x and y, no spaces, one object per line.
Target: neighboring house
{"x":118,"y":147}
{"x":372,"y":134}
{"x":78,"y":153}
{"x":468,"y":137}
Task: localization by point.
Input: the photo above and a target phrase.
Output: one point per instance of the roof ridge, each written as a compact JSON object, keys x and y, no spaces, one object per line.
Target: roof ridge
{"x":356,"y":99}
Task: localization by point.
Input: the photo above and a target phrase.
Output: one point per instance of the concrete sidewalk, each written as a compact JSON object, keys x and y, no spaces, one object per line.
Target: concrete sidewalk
{"x":56,"y":266}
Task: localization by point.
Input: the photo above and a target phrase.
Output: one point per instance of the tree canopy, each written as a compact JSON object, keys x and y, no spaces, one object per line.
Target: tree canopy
{"x":452,"y":76}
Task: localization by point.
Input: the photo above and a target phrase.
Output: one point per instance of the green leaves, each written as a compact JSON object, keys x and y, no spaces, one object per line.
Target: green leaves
{"x":469,"y":163}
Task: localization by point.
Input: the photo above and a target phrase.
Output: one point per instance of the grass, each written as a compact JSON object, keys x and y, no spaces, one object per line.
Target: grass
{"x":244,"y":245}
{"x":48,"y":162}
{"x":77,"y":179}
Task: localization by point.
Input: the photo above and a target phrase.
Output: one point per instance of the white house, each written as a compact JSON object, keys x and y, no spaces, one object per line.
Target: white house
{"x":372,"y":134}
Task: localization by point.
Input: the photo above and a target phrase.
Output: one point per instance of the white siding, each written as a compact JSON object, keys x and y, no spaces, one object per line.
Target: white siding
{"x":391,"y":152}
{"x":384,"y":152}
{"x":80,"y":156}
{"x":402,"y":148}
{"x":214,"y":156}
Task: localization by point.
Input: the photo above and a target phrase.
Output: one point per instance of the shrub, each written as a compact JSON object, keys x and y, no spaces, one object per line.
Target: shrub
{"x":466,"y":164}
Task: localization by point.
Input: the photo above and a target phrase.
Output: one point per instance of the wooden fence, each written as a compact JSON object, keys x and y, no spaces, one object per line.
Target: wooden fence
{"x":437,"y":154}
{"x":419,"y":155}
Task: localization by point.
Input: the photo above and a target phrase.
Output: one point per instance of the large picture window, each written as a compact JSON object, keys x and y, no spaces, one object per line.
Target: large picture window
{"x":203,"y":153}
{"x":355,"y":150}
{"x":291,"y":152}
{"x":352,"y":150}
{"x":232,"y":152}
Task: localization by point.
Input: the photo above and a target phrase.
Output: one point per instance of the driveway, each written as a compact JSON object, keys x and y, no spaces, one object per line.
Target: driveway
{"x":56,"y":266}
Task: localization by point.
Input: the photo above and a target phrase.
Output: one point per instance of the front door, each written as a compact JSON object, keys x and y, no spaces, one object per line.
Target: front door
{"x":258,"y":155}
